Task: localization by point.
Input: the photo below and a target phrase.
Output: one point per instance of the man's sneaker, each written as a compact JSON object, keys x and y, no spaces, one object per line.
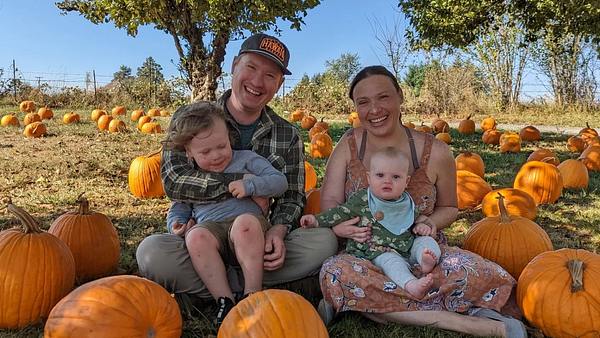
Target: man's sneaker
{"x":224,"y":305}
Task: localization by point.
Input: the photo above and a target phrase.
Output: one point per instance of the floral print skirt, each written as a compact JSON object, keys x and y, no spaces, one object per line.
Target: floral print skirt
{"x":462,"y":281}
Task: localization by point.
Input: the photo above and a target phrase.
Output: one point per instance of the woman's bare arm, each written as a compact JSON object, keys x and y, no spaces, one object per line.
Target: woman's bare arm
{"x":443,"y":168}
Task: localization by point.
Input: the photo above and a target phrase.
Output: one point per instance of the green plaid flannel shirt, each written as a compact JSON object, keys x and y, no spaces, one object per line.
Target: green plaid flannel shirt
{"x":274,"y":138}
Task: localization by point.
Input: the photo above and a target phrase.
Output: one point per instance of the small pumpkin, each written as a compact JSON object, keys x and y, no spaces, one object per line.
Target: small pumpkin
{"x":313,"y":202}
{"x":576,"y":144}
{"x":92,"y":238}
{"x":558,"y":293}
{"x":45,"y":113}
{"x":488,"y":123}
{"x":154,"y":112}
{"x":321,"y":146}
{"x":589,"y":139}
{"x":466,"y":126}
{"x":491,"y":136}
{"x":104,"y":122}
{"x":9,"y":119}
{"x":541,"y":180}
{"x":151,"y":128}
{"x":588,"y":130}
{"x":423,"y":128}
{"x":544,"y":154}
{"x":470,"y":189}
{"x":509,"y":240}
{"x":308,"y":121}
{"x":35,"y":129}
{"x":530,"y":133}
{"x":356,"y":123}
{"x":143,"y":120}
{"x":297,"y":115}
{"x":117,"y":306}
{"x":510,"y":142}
{"x":273,"y":313}
{"x":164,"y":113}
{"x":310,"y":176}
{"x":71,"y":117}
{"x":409,"y":124}
{"x":591,"y":157}
{"x":116,"y":126}
{"x":119,"y":110}
{"x":439,"y":126}
{"x":144,"y":176}
{"x":30,"y":118}
{"x":315,"y":130}
{"x":27,"y":106}
{"x":517,"y":202}
{"x":444,"y":137}
{"x":136,"y":114}
{"x":322,"y":124}
{"x":471,"y":162}
{"x":353,"y":116}
{"x":574,"y":174}
{"x":36,"y":269}
{"x":96,"y":113}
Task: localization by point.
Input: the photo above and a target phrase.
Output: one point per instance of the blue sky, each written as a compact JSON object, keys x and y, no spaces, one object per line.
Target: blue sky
{"x":46,"y":44}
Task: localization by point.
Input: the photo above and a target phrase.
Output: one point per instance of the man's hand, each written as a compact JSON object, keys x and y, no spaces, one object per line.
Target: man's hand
{"x":275,"y":247}
{"x":236,"y":188}
{"x":180,"y":229}
{"x":348,"y":229}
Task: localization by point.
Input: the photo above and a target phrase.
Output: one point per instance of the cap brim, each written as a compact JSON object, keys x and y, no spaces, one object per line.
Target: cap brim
{"x":270,"y":57}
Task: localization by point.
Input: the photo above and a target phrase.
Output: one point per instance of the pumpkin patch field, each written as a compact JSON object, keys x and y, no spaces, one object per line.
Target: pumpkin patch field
{"x":80,"y":165}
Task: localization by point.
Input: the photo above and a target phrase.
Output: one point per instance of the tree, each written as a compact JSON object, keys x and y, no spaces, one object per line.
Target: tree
{"x":123,"y":74}
{"x":343,"y":68}
{"x":201,"y":29}
{"x":394,"y":46}
{"x":414,"y":78}
{"x":150,"y":71}
{"x":458,"y":23}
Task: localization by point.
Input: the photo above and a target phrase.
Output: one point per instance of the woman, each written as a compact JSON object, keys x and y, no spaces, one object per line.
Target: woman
{"x":463,"y":282}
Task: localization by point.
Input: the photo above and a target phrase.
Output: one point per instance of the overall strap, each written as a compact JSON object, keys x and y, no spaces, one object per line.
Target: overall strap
{"x":413,"y":150}
{"x":363,"y":145}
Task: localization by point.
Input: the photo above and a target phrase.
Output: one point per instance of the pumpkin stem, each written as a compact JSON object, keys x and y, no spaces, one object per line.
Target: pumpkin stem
{"x":84,"y":204}
{"x":587,"y":124}
{"x":469,"y":117}
{"x":504,"y":215}
{"x":547,"y":159}
{"x":30,"y":225}
{"x":154,"y":153}
{"x":575,"y":267}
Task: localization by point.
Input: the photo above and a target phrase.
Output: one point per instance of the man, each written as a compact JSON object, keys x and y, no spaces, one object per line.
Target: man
{"x":291,"y":253}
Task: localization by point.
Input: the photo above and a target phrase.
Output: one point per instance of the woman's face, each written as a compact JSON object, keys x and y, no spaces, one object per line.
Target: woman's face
{"x":378,"y":104}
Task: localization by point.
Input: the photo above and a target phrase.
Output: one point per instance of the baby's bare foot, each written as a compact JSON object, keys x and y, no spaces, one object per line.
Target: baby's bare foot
{"x":428,"y":261}
{"x":418,"y":287}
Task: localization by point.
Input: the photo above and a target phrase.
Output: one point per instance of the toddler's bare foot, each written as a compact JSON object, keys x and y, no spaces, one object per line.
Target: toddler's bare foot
{"x":428,"y":261}
{"x":418,"y":287}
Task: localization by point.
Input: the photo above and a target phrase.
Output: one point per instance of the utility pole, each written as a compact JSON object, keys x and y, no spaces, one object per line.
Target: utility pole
{"x":38,"y":81}
{"x":14,"y":81}
{"x":94,"y":75}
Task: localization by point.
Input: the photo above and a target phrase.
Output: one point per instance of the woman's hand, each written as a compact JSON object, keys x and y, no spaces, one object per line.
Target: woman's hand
{"x":348,"y":229}
{"x":421,"y":224}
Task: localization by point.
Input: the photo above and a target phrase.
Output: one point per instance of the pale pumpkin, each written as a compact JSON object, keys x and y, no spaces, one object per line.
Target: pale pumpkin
{"x":30,"y":118}
{"x":144,"y":176}
{"x":116,"y":126}
{"x":310,"y":176}
{"x":92,"y":238}
{"x":530,"y":133}
{"x":591,"y":157}
{"x":136,"y":114}
{"x":466,"y":126}
{"x":119,"y":110}
{"x":509,"y":240}
{"x":541,"y":180}
{"x":35,"y":129}
{"x":45,"y":113}
{"x":510,"y":143}
{"x":471,"y":162}
{"x":9,"y":120}
{"x":36,"y":269}
{"x":574,"y":174}
{"x":117,"y":306}
{"x":470,"y":189}
{"x":488,"y":123}
{"x":321,"y":146}
{"x":96,"y":113}
{"x":517,"y":202}
{"x":558,"y":293}
{"x":273,"y":313}
{"x":543,"y":154}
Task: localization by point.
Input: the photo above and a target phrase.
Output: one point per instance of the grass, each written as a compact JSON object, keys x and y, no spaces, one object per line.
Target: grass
{"x":45,"y":176}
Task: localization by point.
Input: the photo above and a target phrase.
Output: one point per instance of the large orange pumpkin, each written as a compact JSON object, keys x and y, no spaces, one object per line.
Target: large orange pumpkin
{"x":315,"y":130}
{"x":273,"y":313}
{"x":488,"y":123}
{"x":104,"y":121}
{"x":308,"y":121}
{"x":36,"y":271}
{"x":591,"y":157}
{"x":144,"y":176}
{"x":151,"y":128}
{"x":136,"y":114}
{"x":574,"y":174}
{"x":541,"y":180}
{"x":509,"y":240}
{"x":117,"y":306}
{"x":466,"y":126}
{"x":45,"y":113}
{"x":96,"y":113}
{"x":116,"y":126}
{"x":510,"y":142}
{"x":558,"y":292}
{"x":310,"y":176}
{"x":491,"y":136}
{"x":30,"y":118}
{"x":9,"y":119}
{"x":35,"y":129}
{"x":321,"y":146}
{"x":530,"y":133}
{"x":27,"y":106}
{"x":71,"y":117}
{"x":297,"y":115}
{"x":92,"y":239}
{"x":517,"y":202}
{"x":545,"y":155}
{"x":576,"y":144}
{"x":588,"y":130}
{"x":471,"y":162}
{"x":470,"y":189}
